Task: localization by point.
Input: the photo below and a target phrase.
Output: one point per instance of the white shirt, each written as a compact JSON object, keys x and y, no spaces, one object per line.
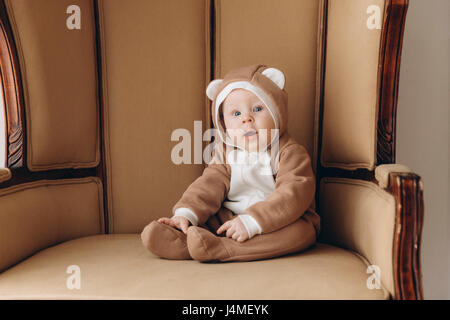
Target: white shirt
{"x":251,"y":181}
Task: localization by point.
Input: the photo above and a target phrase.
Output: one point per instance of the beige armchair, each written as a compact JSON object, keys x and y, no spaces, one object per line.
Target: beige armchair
{"x":92,"y":93}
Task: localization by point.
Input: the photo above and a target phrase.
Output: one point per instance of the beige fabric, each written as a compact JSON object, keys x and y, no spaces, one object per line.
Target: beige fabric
{"x":350,"y":98}
{"x":382,"y":173}
{"x":59,"y":76}
{"x":118,"y":266}
{"x":42,"y":213}
{"x":360,"y":216}
{"x":5,"y":174}
{"x":154,"y":71}
{"x":282,"y":34}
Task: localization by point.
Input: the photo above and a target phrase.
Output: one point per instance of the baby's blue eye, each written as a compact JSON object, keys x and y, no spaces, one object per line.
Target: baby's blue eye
{"x":236,"y":113}
{"x":258,"y":109}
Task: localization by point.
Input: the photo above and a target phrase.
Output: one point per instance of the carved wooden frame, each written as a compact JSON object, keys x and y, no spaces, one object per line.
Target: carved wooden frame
{"x":407,"y":189}
{"x":12,"y":94}
{"x":388,"y":78}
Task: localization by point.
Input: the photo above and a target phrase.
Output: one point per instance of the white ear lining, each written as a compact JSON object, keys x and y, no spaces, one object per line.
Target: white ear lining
{"x":212,"y":88}
{"x":276,"y":76}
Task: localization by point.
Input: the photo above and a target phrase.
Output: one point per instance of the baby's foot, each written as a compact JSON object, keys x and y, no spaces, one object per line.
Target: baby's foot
{"x":205,"y":246}
{"x":165,"y":241}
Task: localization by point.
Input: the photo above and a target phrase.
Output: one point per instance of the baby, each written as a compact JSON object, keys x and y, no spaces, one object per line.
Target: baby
{"x":246,"y":205}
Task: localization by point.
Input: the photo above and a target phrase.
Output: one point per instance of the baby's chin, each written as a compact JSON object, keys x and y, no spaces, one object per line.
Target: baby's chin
{"x":252,"y":146}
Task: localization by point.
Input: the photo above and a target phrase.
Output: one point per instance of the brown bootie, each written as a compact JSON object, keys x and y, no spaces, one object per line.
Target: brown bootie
{"x":165,"y":241}
{"x":205,"y":246}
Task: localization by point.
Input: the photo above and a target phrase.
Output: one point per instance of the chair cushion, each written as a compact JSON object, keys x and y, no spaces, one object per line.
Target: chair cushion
{"x":42,"y":213}
{"x":351,"y":77}
{"x":118,"y":266}
{"x":59,"y":73}
{"x":360,"y":216}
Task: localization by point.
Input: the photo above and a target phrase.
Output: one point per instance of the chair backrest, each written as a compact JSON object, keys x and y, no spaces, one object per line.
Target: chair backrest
{"x":59,"y":80}
{"x":157,"y":59}
{"x":351,"y":83}
{"x":136,"y":71}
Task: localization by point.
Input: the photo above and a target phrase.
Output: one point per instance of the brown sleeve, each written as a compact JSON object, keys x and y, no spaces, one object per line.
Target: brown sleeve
{"x":206,"y":194}
{"x":294,"y":191}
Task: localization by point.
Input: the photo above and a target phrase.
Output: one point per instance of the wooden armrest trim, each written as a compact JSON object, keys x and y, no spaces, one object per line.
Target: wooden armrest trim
{"x":407,"y":188}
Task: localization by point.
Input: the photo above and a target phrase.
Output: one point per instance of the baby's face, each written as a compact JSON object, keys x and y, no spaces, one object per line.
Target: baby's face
{"x":245,"y":115}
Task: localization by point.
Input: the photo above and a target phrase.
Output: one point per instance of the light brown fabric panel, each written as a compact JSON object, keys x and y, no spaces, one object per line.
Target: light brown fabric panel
{"x":154,"y":70}
{"x":282,"y":34}
{"x":118,"y":267}
{"x":59,"y":76}
{"x":360,"y":216}
{"x":350,"y":98}
{"x":39,"y":214}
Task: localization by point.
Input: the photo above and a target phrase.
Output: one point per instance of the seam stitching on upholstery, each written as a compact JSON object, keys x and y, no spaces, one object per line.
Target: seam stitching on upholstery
{"x":104,"y":86}
{"x":43,"y":183}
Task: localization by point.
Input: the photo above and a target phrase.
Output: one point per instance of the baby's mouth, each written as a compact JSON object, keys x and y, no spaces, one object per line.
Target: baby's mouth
{"x":250,"y":133}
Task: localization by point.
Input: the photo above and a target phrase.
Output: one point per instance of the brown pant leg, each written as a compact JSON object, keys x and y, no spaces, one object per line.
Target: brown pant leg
{"x":295,"y":237}
{"x":205,"y":245}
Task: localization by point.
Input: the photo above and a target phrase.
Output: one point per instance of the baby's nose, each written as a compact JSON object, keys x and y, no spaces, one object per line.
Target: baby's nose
{"x":247,"y":119}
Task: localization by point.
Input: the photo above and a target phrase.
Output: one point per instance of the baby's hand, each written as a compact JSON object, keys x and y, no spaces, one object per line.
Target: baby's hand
{"x":178,"y":222}
{"x":235,"y":230}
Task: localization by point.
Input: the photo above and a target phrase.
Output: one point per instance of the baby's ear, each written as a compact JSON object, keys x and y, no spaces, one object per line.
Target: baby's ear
{"x":213,"y":86}
{"x":276,"y":76}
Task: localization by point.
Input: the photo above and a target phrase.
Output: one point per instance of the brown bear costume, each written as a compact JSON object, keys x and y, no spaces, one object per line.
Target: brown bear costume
{"x":284,"y":216}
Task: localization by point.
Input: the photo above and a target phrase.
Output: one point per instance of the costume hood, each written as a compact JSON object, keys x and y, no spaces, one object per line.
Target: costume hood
{"x":266,"y":83}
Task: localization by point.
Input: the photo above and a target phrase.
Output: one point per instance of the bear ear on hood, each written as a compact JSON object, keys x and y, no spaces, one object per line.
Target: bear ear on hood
{"x":276,"y":76}
{"x":212,"y":88}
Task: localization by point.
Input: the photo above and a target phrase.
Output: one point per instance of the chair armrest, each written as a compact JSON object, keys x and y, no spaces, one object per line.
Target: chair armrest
{"x":381,"y":220}
{"x":358,"y":215}
{"x":39,"y":214}
{"x":383,"y":172}
{"x":407,"y":189}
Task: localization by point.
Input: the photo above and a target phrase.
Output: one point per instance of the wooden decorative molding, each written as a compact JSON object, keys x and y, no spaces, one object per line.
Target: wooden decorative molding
{"x":388,"y":78}
{"x":12,"y":94}
{"x":408,"y":192}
